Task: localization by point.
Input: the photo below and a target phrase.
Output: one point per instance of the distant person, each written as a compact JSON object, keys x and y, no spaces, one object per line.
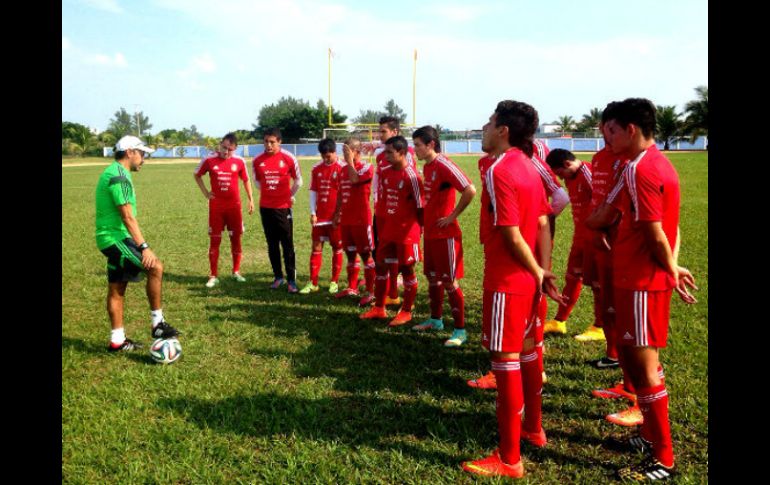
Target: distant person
{"x":645,"y":273}
{"x":273,"y":171}
{"x":354,"y":216}
{"x":443,"y":244}
{"x":119,"y":238}
{"x":224,"y":169}
{"x":402,"y":203}
{"x":324,"y":190}
{"x":390,"y":126}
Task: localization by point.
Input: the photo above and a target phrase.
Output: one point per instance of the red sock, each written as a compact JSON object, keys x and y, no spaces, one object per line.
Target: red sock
{"x":236,"y":251}
{"x":539,"y":349}
{"x":510,"y":400}
{"x":353,"y":269}
{"x":393,"y":280}
{"x":457,"y":302}
{"x":214,"y":242}
{"x":336,"y":264}
{"x":436,"y":297}
{"x":369,"y":274}
{"x":572,"y":291}
{"x":410,"y":292}
{"x":316,"y":260}
{"x":380,"y":288}
{"x":532,"y":386}
{"x":653,"y":402}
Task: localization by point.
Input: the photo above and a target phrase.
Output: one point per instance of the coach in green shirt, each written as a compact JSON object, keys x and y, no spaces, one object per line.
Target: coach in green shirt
{"x":119,"y":238}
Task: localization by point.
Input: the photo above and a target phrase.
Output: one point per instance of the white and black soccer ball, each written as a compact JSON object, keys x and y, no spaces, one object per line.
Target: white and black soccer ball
{"x":166,"y":351}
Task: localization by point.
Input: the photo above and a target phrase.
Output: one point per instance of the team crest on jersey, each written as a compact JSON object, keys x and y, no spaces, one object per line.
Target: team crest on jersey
{"x":434,"y":176}
{"x":280,"y":164}
{"x":216,"y":167}
{"x":401,"y":185}
{"x":233,"y":168}
{"x":262,"y":164}
{"x":334,"y":175}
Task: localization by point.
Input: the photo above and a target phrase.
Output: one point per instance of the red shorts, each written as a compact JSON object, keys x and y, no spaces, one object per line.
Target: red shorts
{"x":444,"y":258}
{"x":328,"y":233}
{"x":405,"y":254}
{"x":230,"y":217}
{"x":534,"y":328}
{"x":641,"y":317}
{"x":357,"y":238}
{"x":504,"y":320}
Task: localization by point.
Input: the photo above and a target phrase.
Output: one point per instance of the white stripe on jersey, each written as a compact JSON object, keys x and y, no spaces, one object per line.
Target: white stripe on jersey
{"x":618,"y":187}
{"x":544,"y":175}
{"x":415,"y":185}
{"x":630,"y":174}
{"x":586,"y":173}
{"x":498,"y":318}
{"x":464,"y":182}
{"x":540,"y":147}
{"x":296,"y":165}
{"x":506,"y":366}
{"x":640,"y":317}
{"x":490,"y":178}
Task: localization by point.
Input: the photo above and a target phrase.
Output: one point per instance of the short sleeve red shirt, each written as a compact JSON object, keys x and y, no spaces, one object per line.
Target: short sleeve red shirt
{"x":605,"y":170}
{"x":326,"y":183}
{"x":547,"y":176}
{"x":224,"y":175}
{"x":579,"y":189}
{"x":647,"y":192}
{"x":382,"y":162}
{"x":512,"y":195}
{"x":442,"y":178}
{"x":274,"y":172}
{"x":401,"y":197}
{"x":354,"y":208}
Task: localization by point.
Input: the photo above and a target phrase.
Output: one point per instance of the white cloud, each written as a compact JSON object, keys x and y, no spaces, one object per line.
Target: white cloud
{"x":106,"y":5}
{"x":202,"y":64}
{"x":65,"y":43}
{"x":118,"y":60}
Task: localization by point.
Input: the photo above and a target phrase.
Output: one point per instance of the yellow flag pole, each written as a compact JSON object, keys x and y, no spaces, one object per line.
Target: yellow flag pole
{"x":330,"y":86}
{"x":414,"y":90}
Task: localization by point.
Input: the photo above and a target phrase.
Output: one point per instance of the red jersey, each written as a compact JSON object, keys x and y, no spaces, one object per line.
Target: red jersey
{"x":605,"y":170}
{"x":272,"y":174}
{"x":579,"y":188}
{"x":401,"y":197}
{"x":224,"y":175}
{"x":442,"y":178}
{"x":382,"y":162}
{"x":647,"y":191}
{"x":354,"y":208}
{"x":512,"y":195}
{"x":326,"y":183}
{"x":547,"y":176}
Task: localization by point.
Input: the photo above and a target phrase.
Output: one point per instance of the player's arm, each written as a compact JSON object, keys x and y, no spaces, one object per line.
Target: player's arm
{"x":206,"y":194}
{"x":544,"y":248}
{"x":132,"y":225}
{"x":686,"y":279}
{"x":559,"y":200}
{"x":467,"y":196}
{"x":313,"y":204}
{"x":249,"y":193}
{"x":347,"y":153}
{"x":297,"y":175}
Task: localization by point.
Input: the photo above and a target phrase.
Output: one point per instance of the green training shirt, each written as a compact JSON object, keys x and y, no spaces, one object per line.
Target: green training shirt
{"x":114,"y":189}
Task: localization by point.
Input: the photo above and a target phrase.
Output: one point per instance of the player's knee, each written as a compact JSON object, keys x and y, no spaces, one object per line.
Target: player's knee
{"x":529,"y":345}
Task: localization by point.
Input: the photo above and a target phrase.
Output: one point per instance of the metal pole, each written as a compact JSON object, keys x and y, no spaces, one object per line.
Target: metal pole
{"x":330,"y":86}
{"x":414,"y":90}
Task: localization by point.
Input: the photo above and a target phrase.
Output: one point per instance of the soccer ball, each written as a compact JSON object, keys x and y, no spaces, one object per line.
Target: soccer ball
{"x":166,"y":351}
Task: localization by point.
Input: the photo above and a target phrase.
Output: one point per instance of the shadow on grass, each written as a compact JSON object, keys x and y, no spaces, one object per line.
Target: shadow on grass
{"x":141,"y":355}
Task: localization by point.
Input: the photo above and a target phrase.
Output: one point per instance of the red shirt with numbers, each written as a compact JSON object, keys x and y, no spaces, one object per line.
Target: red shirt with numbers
{"x":326,"y":183}
{"x":442,"y":179}
{"x":273,"y":174}
{"x":579,"y":189}
{"x":401,"y":197}
{"x":382,"y":162}
{"x":354,"y":208}
{"x":224,"y":175}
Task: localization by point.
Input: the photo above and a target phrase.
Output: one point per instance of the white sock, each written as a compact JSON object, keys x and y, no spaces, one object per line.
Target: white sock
{"x":117,"y":336}
{"x":157,"y":317}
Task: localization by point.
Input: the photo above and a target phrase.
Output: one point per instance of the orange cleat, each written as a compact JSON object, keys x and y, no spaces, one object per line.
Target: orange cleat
{"x":537,"y":439}
{"x":615,"y":392}
{"x":402,"y":318}
{"x":487,"y":381}
{"x":494,"y":466}
{"x":374,"y":313}
{"x":346,"y":292}
{"x":628,"y":417}
{"x":392,"y":301}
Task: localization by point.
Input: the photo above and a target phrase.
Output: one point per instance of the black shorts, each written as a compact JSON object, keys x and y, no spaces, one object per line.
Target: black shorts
{"x":124,"y":261}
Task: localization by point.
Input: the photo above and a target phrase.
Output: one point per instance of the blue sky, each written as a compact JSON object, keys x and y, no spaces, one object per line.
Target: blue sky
{"x":214,"y":64}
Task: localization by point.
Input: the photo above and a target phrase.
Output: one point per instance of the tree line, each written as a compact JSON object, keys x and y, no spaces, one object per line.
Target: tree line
{"x":299,"y":119}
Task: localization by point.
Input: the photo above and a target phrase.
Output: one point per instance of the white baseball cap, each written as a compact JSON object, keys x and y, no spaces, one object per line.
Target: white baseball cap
{"x":130,"y":142}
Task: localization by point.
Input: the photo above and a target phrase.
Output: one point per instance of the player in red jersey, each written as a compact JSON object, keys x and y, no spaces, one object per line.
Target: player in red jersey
{"x":645,"y":271}
{"x":224,"y":169}
{"x":443,"y":237}
{"x":400,"y":222}
{"x":577,"y":176}
{"x":324,"y":189}
{"x":513,"y":222}
{"x":273,"y":170}
{"x":389,"y":127}
{"x":354,"y":215}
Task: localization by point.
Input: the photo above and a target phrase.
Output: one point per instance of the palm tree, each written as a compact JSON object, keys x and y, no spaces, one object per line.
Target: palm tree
{"x":81,"y":141}
{"x":697,"y":110}
{"x":565,"y":123}
{"x":590,"y":121}
{"x":668,"y":125}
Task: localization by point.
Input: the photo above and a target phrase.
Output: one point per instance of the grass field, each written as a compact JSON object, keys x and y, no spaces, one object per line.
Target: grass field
{"x":276,"y":388}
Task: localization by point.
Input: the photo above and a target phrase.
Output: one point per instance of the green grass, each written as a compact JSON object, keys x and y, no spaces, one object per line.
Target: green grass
{"x":281,"y":388}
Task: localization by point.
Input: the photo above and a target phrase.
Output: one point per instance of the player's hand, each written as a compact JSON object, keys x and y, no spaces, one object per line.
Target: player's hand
{"x":549,"y":287}
{"x":149,"y":259}
{"x":347,"y":153}
{"x":313,"y":219}
{"x":443,"y":222}
{"x":251,"y":207}
{"x":210,"y":195}
{"x":685,"y":280}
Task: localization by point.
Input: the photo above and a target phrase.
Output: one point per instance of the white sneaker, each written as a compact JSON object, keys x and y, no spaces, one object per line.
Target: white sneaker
{"x":237,"y":277}
{"x":212,"y":282}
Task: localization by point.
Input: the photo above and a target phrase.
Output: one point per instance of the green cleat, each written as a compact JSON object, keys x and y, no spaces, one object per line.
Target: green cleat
{"x":459,"y":336}
{"x":333,"y":287}
{"x":430,"y":324}
{"x":309,"y":288}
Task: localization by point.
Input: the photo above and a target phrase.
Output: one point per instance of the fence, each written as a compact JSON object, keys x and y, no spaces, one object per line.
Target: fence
{"x":451,"y":146}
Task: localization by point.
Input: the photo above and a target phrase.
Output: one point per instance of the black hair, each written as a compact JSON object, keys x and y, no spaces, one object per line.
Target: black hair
{"x":639,"y":111}
{"x":326,"y":145}
{"x":399,"y":143}
{"x":272,"y":132}
{"x":521,"y":120}
{"x":231,"y":138}
{"x":391,"y":122}
{"x":558,"y":158}
{"x":427,"y":134}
